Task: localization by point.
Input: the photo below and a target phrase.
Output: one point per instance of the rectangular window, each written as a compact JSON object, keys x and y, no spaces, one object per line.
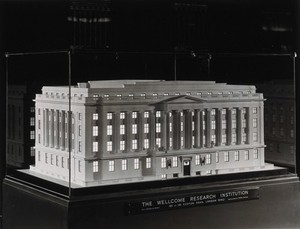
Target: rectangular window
{"x":181,"y":142}
{"x":122,"y":115}
{"x":39,"y":138}
{"x":193,"y":125}
{"x":255,"y":154}
{"x":95,"y":166}
{"x":163,"y":162}
{"x":56,"y":160}
{"x":62,"y":162}
{"x":146,"y":128}
{"x":79,"y":130}
{"x":157,"y":114}
{"x":236,"y":156}
{"x":134,"y":129}
{"x":246,"y":155}
{"x":171,"y":142}
{"x":32,"y":134}
{"x":122,"y":129}
{"x":255,"y":137}
{"x":32,"y":151}
{"x":146,"y":143}
{"x":233,"y":123}
{"x":95,"y":146}
{"x":213,"y":124}
{"x":213,"y":112}
{"x":181,"y":126}
{"x":39,"y":124}
{"x":158,"y":142}
{"x":134,"y":114}
{"x":111,"y":166}
{"x":79,"y":146}
{"x":291,"y":133}
{"x":163,"y":176}
{"x":95,"y":130}
{"x":122,"y":145}
{"x":134,"y":144}
{"x":255,"y":123}
{"x":254,"y":110}
{"x":226,"y":156}
{"x":79,"y":166}
{"x":109,"y":116}
{"x":136,"y":163}
{"x":146,"y":114}
{"x":233,"y":111}
{"x":106,"y":95}
{"x":109,"y":130}
{"x":166,"y":94}
{"x":32,"y":109}
{"x":208,"y":159}
{"x":95,"y":116}
{"x":224,"y":138}
{"x":109,"y":146}
{"x":148,"y":162}
{"x":124,"y":164}
{"x":224,"y":111}
{"x":32,"y":121}
{"x":213,"y":138}
{"x":157,"y":127}
{"x":79,"y":116}
{"x":174,"y":161}
{"x":154,"y":94}
{"x":244,"y":137}
{"x":197,"y":159}
{"x":217,"y":157}
{"x":244,"y":123}
{"x":46,"y":158}
{"x":203,"y":124}
{"x":224,"y":124}
{"x":143,"y":94}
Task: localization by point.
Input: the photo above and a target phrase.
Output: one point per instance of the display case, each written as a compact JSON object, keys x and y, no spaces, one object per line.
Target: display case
{"x":97,"y":133}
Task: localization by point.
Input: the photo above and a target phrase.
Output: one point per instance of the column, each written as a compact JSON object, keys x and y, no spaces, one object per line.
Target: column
{"x":188,"y":131}
{"x":202,"y":143}
{"x":62,"y":142}
{"x":208,"y":128}
{"x":168,"y":133}
{"x":261,"y":123}
{"x":51,"y":128}
{"x":151,"y":130}
{"x":128,"y":131}
{"x":249,"y":127}
{"x":229,"y":126}
{"x":67,"y":135}
{"x":176,"y":129}
{"x":239,"y":125}
{"x":163,"y":130}
{"x":45,"y":125}
{"x":140,"y":130}
{"x":197,"y":128}
{"x":57,"y":129}
{"x":116,"y":132}
{"x":219,"y":130}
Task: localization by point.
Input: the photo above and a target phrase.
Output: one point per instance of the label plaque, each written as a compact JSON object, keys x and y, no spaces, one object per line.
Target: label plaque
{"x":190,"y":200}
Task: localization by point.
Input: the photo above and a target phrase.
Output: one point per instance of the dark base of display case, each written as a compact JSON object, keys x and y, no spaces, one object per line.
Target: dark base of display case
{"x":268,"y":202}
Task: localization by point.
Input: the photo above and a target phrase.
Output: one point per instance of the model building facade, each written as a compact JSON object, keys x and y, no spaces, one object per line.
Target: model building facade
{"x":123,"y":131}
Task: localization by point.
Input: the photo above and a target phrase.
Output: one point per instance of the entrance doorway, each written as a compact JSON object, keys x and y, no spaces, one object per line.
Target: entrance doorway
{"x":186,"y":168}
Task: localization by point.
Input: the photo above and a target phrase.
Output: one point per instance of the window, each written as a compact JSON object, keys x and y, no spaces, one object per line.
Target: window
{"x":255,"y":137}
{"x":181,"y":126}
{"x":134,"y":128}
{"x":255,"y":154}
{"x":158,"y":142}
{"x":163,"y":176}
{"x":109,"y":116}
{"x":39,"y":138}
{"x":224,"y":111}
{"x":46,"y":158}
{"x":111,"y":166}
{"x":79,"y":166}
{"x":119,"y":95}
{"x":246,"y":155}
{"x":62,"y":162}
{"x":254,"y":110}
{"x":213,"y":124}
{"x":224,"y":138}
{"x":79,"y":116}
{"x":106,"y":95}
{"x":208,"y":159}
{"x":233,"y":123}
{"x":146,"y":128}
{"x":157,"y":127}
{"x":94,"y":95}
{"x":124,"y":164}
{"x":109,"y":129}
{"x":130,"y":95}
{"x":292,"y":120}
{"x":254,"y":122}
{"x":39,"y":124}
{"x":56,"y":160}
{"x":170,"y":127}
{"x":95,"y":116}
{"x":146,"y":114}
{"x":79,"y":146}
{"x":236,"y":156}
{"x":95,"y":146}
{"x":197,"y":159}
{"x":95,"y":130}
{"x":244,"y":123}
{"x":122,"y":145}
{"x":32,"y":151}
{"x":146,"y":143}
{"x":198,"y":93}
{"x":171,"y":142}
{"x":181,"y":142}
{"x":148,"y":162}
{"x":244,"y":137}
{"x":166,"y":94}
{"x":143,"y":95}
{"x":32,"y":110}
{"x":193,"y":140}
{"x":226,"y":156}
{"x":32,"y":134}
{"x":122,"y":115}
{"x":292,"y":133}
{"x":233,"y":111}
{"x":136,"y":163}
{"x":109,"y":146}
{"x":217,"y":157}
{"x":122,"y":129}
{"x":213,"y":138}
{"x":213,"y":112}
{"x":188,"y":93}
{"x":163,"y":162}
{"x":203,"y":124}
{"x":31,"y":121}
{"x":95,"y":166}
{"x":177,"y":93}
{"x":292,"y":149}
{"x":154,"y":94}
{"x":134,"y":144}
{"x":174,"y":161}
{"x":224,"y":124}
{"x":134,"y":114}
{"x":157,"y":114}
{"x":281,"y":119}
{"x":79,"y":130}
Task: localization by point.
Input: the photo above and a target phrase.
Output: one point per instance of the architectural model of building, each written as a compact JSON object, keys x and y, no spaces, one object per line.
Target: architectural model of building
{"x":135,"y":130}
{"x":279,"y":121}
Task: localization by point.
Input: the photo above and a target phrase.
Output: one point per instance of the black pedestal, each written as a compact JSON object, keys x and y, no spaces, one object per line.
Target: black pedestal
{"x":278,"y":206}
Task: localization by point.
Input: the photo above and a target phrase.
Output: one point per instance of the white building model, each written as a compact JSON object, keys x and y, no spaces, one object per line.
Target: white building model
{"x":134,"y":130}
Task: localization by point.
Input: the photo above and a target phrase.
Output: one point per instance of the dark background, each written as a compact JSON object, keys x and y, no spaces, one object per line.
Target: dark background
{"x":229,"y":41}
